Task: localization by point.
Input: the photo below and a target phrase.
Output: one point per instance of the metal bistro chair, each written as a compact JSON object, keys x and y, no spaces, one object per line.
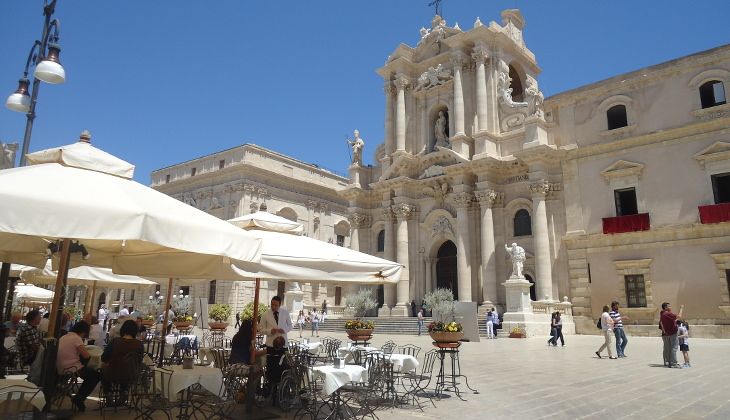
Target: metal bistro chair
{"x":156,"y":396}
{"x":364,"y":399}
{"x":15,"y":402}
{"x":117,"y":394}
{"x":409,"y":349}
{"x":220,"y":358}
{"x":416,"y":383}
{"x":331,"y":349}
{"x":67,"y":384}
{"x":388,"y":347}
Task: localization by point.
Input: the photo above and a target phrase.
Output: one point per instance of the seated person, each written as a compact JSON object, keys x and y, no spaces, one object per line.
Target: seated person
{"x":43,"y":326}
{"x":71,"y":353}
{"x":243,"y":344}
{"x":97,"y":336}
{"x":28,"y":338}
{"x":141,"y":329}
{"x":116,"y":356}
{"x":276,"y":362}
{"x":114,"y":332}
{"x":14,"y":323}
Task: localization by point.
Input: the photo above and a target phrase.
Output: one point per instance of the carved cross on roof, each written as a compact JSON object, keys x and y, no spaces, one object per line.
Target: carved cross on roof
{"x":437,"y":6}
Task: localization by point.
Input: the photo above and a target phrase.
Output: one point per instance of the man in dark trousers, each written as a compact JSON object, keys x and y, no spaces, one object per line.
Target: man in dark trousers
{"x":413,"y":307}
{"x":238,"y":319}
{"x":668,"y":325}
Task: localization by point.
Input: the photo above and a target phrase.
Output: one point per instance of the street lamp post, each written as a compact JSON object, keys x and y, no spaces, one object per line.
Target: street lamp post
{"x":44,"y":57}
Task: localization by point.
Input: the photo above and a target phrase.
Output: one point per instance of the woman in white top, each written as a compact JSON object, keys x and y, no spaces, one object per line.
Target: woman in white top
{"x":96,"y":333}
{"x":609,"y":342}
{"x":300,"y":322}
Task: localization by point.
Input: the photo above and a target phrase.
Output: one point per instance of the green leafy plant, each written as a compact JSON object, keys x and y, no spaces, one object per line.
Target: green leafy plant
{"x":452,"y":326}
{"x":441,"y":302}
{"x":181,"y":307}
{"x":220,"y":312}
{"x":247,"y":312}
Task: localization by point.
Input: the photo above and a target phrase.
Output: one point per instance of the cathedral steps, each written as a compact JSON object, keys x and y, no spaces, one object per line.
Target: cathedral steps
{"x":395,"y":326}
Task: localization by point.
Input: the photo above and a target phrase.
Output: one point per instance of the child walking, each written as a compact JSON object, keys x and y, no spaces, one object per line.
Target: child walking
{"x":683,"y":336}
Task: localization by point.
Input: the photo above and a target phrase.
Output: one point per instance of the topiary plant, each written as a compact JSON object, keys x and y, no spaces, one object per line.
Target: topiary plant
{"x":220,"y":312}
{"x":247,"y":312}
{"x":362,"y":302}
{"x":441,"y":301}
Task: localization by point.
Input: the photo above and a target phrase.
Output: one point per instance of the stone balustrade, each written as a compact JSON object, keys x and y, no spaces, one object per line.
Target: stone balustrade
{"x":564,"y":307}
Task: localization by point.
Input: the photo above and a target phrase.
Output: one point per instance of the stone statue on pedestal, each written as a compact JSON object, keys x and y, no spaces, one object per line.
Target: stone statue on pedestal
{"x":357,"y":145}
{"x":517,"y":254}
{"x":7,"y":158}
{"x":442,"y":137}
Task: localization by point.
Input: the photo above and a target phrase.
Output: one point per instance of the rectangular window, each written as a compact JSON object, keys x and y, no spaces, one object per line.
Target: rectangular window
{"x":119,"y":295}
{"x":721,"y":188}
{"x":340,"y":240}
{"x":727,"y":277}
{"x":718,"y":89}
{"x":635,"y":291}
{"x":221,"y":164}
{"x":157,"y":289}
{"x":193,"y":171}
{"x":281,"y":289}
{"x":167,"y":179}
{"x":185,"y":290}
{"x":625,"y":202}
{"x":338,"y":295}
{"x":131,"y":294}
{"x":211,"y":292}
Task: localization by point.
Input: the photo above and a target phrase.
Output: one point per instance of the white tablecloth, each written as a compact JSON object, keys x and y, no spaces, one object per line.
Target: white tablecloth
{"x":19,"y":385}
{"x":171,"y":339}
{"x":312,"y":348}
{"x":334,"y":377}
{"x":95,"y":353}
{"x":9,"y":342}
{"x":403,"y":362}
{"x":209,"y":378}
{"x":346,"y":351}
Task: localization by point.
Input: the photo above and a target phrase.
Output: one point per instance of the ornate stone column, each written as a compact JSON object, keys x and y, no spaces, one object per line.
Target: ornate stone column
{"x":458,"y":61}
{"x":357,"y":221}
{"x":388,"y":90}
{"x":427,"y":273}
{"x":487,"y":199}
{"x":480,"y":55}
{"x":462,"y":201}
{"x":401,"y":83}
{"x":543,"y":264}
{"x":389,"y":254}
{"x":403,"y":212}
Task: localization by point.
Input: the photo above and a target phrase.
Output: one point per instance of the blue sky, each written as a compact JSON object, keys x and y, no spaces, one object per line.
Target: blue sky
{"x":161,"y":82}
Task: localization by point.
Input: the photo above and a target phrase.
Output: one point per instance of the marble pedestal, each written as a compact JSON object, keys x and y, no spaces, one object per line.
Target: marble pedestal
{"x":400,"y":310}
{"x":294,"y":302}
{"x":519,"y":309}
{"x":384,"y":311}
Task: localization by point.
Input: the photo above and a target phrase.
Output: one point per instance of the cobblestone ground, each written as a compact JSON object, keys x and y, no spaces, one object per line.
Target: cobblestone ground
{"x":526,"y":379}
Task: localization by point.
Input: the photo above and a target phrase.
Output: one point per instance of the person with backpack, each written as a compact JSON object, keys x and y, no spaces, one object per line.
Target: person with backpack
{"x":606,"y":325}
{"x":315,"y":323}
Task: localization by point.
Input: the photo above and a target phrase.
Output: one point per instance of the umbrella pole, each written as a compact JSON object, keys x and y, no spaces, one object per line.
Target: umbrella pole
{"x":255,"y":318}
{"x":54,"y":324}
{"x":90,"y":307}
{"x":166,"y":312}
{"x":4,"y":277}
{"x":9,"y":299}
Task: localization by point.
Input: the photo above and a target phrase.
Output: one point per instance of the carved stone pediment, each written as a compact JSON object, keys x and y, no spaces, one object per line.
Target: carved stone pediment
{"x":716,"y":152}
{"x":622,"y":168}
{"x":428,"y":46}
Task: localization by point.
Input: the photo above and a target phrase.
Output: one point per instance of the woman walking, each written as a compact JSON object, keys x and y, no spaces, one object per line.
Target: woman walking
{"x":300,"y":322}
{"x":557,"y":330}
{"x":608,"y":336}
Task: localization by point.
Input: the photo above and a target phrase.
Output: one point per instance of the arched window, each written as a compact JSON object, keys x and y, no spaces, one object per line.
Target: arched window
{"x":518,"y":92}
{"x":712,"y":93}
{"x":381,"y":241}
{"x":616,"y":116}
{"x":522,"y":223}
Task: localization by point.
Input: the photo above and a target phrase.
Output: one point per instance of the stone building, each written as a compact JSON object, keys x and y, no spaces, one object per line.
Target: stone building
{"x":616,"y":190}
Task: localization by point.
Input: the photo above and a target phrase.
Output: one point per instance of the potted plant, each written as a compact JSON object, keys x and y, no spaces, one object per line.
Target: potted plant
{"x":360,"y":302}
{"x":247,"y":312}
{"x":517,"y":332}
{"x":152,"y":309}
{"x":445,"y":331}
{"x":181,"y":308}
{"x":219,"y":312}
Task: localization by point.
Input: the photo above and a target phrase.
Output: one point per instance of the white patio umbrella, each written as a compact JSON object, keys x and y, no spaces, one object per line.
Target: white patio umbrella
{"x":267,"y":221}
{"x":33,"y":293}
{"x":80,"y":193}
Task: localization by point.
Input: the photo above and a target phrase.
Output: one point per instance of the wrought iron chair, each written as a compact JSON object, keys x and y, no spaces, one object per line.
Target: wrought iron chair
{"x":67,"y":385}
{"x":117,"y":394}
{"x":409,"y":349}
{"x":416,"y":383}
{"x":15,"y":402}
{"x":152,"y":394}
{"x":365,"y":398}
{"x":388,"y":347}
{"x":220,"y":358}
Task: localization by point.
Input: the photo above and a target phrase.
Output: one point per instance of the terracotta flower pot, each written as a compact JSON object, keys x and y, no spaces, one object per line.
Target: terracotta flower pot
{"x":446,"y":336}
{"x":215,"y":325}
{"x":148,"y":322}
{"x":516,"y":335}
{"x":360,"y":334}
{"x":182,"y":325}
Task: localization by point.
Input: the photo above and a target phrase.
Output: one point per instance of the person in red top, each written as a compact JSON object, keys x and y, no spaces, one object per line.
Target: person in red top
{"x":667,"y":323}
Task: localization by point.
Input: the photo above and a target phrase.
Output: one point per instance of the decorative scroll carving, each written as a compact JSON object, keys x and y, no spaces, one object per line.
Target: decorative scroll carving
{"x":404,"y":211}
{"x":504,"y":89}
{"x":359,"y":220}
{"x":461,"y":200}
{"x":434,"y":76}
{"x":489,"y":198}
{"x":441,"y":227}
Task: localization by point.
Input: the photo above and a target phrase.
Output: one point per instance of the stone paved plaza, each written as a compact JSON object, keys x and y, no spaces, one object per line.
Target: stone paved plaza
{"x":526,"y":379}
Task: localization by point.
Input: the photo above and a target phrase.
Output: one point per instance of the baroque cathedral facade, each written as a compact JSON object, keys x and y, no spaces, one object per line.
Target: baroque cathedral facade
{"x":617,"y":190}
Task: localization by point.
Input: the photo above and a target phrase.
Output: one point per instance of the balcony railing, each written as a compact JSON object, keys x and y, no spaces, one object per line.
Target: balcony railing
{"x":715,"y":213}
{"x":621,"y":224}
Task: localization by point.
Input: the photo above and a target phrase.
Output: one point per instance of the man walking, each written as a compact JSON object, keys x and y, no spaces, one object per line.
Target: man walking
{"x":495,"y":322}
{"x":618,"y":329}
{"x":608,"y":336}
{"x":275,"y":323}
{"x":102,"y":316}
{"x":668,"y":325}
{"x":420,"y":320}
{"x":238,"y":320}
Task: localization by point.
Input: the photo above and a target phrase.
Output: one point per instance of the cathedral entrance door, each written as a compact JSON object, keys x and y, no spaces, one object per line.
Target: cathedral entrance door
{"x":533,"y":295}
{"x":446,"y":276}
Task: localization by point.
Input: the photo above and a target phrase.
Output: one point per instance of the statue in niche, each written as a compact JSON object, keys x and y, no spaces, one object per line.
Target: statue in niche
{"x":517,"y":254}
{"x":535,"y":98}
{"x":357,"y":145}
{"x":442,"y":130}
{"x":7,"y":159}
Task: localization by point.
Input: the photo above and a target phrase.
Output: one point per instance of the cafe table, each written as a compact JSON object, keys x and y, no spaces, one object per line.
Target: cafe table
{"x":335,"y":378}
{"x":15,"y":389}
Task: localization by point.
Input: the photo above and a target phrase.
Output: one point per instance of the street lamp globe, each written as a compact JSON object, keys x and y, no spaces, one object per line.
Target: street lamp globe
{"x":50,"y":70}
{"x":19,"y":101}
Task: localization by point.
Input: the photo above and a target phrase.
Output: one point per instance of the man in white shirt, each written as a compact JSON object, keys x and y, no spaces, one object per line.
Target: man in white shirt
{"x":275,"y":322}
{"x":102,"y":316}
{"x":124,"y":312}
